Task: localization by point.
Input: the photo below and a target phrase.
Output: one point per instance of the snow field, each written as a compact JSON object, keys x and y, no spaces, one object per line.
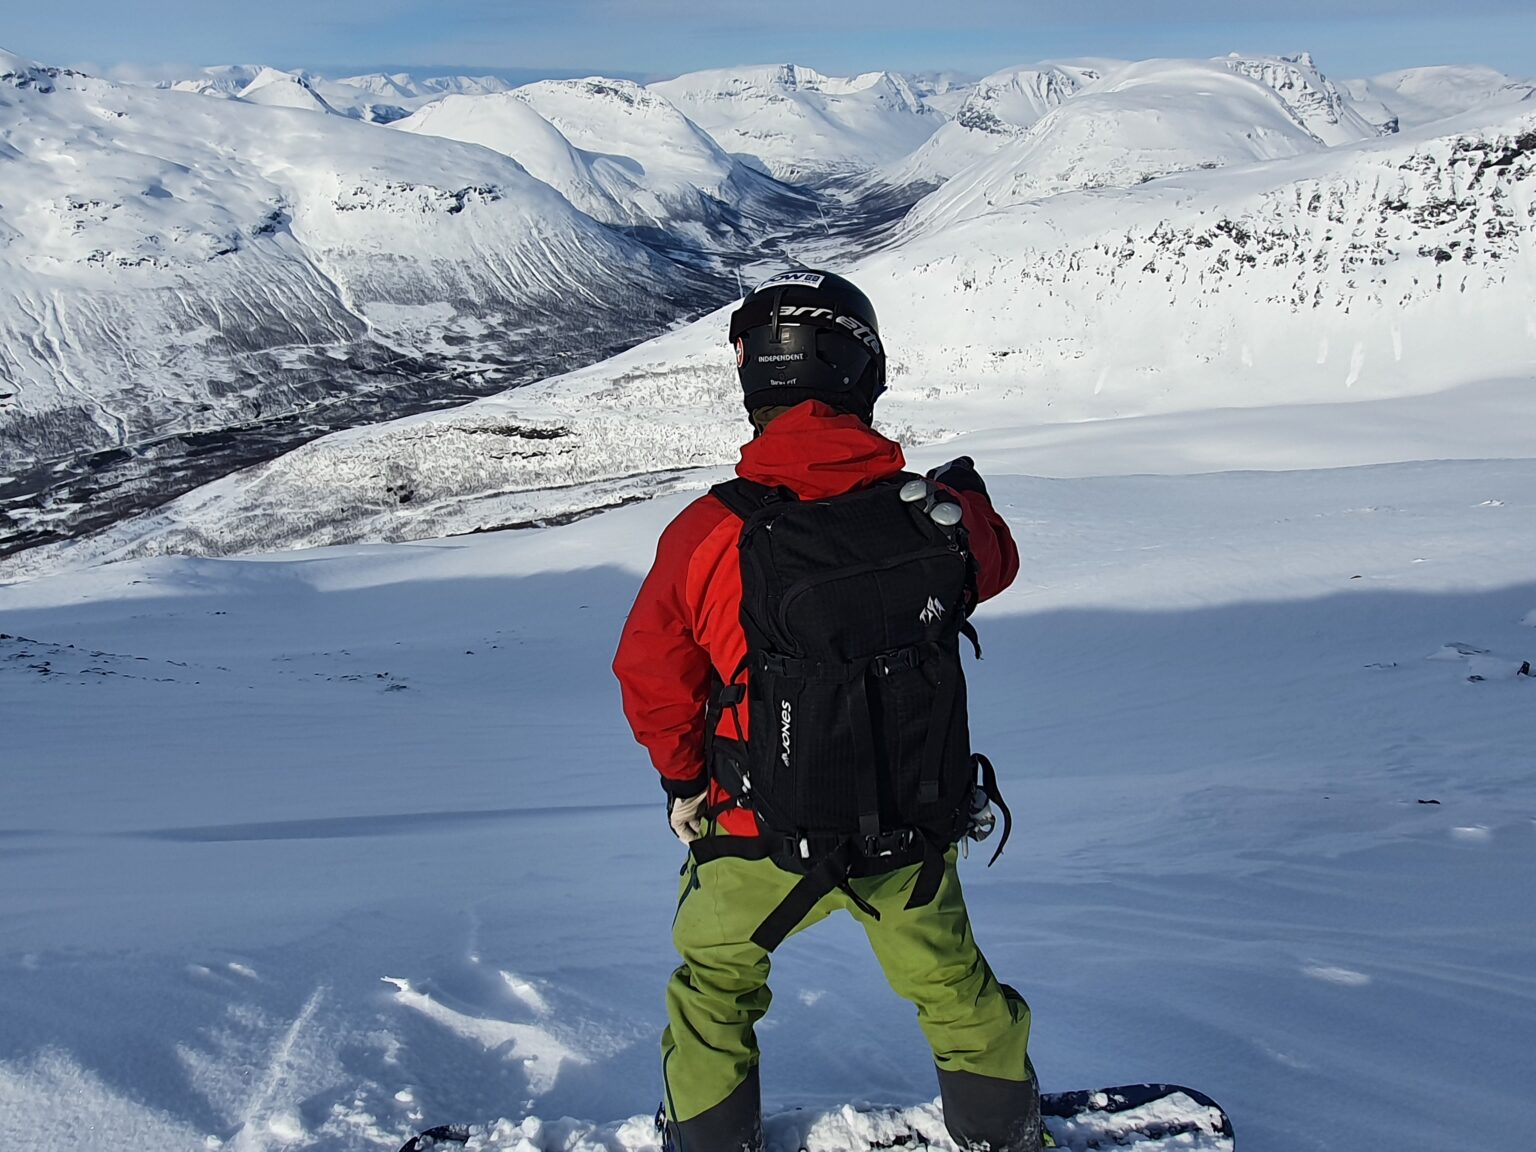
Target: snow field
{"x":318,"y":849}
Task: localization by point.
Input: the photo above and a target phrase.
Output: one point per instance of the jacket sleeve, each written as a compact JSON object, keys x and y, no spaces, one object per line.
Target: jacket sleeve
{"x":997,"y":557}
{"x":663,"y":670}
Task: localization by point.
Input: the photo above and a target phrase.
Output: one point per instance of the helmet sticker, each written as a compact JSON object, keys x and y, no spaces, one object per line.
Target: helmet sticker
{"x":741,"y":352}
{"x":793,"y":279}
{"x":862,"y":331}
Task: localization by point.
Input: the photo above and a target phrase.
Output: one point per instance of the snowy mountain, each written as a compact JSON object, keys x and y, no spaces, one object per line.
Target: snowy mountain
{"x":801,"y":126}
{"x":376,"y":97}
{"x":173,"y":265}
{"x":221,"y":80}
{"x":274,"y":89}
{"x":944,"y":92}
{"x":620,"y":153}
{"x":1423,"y":95}
{"x":1355,"y":277}
{"x":993,"y":112}
{"x":1313,"y":99}
{"x":396,"y":88}
{"x":507,"y":124}
{"x":384,"y":99}
{"x":402,"y":87}
{"x":1004,"y":106}
{"x":1139,"y":123}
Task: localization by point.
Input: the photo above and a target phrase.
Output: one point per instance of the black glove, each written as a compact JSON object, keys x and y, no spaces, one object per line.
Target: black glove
{"x":959,"y":474}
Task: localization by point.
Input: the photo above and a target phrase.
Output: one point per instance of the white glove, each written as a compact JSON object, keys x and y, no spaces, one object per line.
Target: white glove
{"x":687,"y":817}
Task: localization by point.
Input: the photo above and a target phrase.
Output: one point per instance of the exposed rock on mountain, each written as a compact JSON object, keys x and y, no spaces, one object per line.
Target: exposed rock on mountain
{"x":1313,"y":99}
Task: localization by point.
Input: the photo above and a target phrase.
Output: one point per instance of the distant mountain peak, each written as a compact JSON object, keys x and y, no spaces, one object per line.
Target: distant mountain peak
{"x":285,"y":90}
{"x":799,"y":124}
{"x":1315,"y":101}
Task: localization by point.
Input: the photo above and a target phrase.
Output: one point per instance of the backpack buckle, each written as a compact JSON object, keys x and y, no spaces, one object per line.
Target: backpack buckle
{"x":890,"y":843}
{"x":898,"y":660}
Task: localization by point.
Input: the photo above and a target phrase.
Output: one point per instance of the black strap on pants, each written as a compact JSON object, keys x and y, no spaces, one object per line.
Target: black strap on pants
{"x":832,"y":872}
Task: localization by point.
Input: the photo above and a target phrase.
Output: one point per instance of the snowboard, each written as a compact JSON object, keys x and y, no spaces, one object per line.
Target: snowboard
{"x":1139,"y":1117}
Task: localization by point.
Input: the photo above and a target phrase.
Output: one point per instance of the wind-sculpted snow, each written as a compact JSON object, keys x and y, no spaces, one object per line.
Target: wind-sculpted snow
{"x":1376,"y":273}
{"x":173,"y":265}
{"x":802,"y":126}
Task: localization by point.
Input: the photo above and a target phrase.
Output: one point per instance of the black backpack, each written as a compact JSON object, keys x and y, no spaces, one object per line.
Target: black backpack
{"x":858,"y":758}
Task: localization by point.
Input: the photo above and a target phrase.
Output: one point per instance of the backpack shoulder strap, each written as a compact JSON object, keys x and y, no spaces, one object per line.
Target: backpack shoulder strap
{"x":747,"y":497}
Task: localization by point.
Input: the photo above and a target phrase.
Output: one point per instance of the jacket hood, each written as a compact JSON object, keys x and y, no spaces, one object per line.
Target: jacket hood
{"x":817,"y":452}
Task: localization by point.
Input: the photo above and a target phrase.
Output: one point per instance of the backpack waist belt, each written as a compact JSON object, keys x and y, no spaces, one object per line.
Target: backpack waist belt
{"x":837,"y":862}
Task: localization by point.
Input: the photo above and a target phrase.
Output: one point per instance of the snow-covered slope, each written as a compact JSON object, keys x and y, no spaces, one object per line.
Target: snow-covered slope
{"x":377,"y":97}
{"x":313,"y":851}
{"x":995,"y":111}
{"x":1315,"y":101}
{"x":1417,"y":96}
{"x":1386,"y":268}
{"x":1361,"y":277}
{"x":942,"y":91}
{"x":620,"y":153}
{"x":274,"y":89}
{"x":172,"y":263}
{"x":1147,"y":120}
{"x":383,"y":99}
{"x":1170,"y":100}
{"x":799,"y":125}
{"x":509,"y":125}
{"x":221,"y":80}
{"x":402,"y":87}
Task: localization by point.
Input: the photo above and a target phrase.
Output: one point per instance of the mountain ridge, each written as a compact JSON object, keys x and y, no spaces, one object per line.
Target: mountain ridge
{"x":1344,"y":276}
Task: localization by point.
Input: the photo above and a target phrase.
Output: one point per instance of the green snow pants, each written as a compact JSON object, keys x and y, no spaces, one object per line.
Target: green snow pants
{"x":973,"y":1023}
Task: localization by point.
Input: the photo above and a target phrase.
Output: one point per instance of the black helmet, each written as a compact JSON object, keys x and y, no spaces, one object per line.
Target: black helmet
{"x":808,"y":335}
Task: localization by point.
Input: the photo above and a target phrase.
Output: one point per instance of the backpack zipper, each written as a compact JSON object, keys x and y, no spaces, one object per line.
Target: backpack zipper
{"x":805,"y":583}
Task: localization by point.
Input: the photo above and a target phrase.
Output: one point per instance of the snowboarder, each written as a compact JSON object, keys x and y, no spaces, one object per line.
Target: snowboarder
{"x":792,"y":665}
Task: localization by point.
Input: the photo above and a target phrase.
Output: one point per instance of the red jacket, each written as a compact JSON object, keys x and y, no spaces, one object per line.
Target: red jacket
{"x":687,"y":617}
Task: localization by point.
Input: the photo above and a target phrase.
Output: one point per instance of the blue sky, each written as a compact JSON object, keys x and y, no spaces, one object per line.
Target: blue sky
{"x":652,"y":38}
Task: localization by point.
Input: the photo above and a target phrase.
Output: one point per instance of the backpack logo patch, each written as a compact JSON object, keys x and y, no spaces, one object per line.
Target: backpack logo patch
{"x":933,"y":612}
{"x":785,"y":717}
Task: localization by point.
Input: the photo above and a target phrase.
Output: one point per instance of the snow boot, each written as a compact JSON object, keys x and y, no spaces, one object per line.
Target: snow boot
{"x":984,"y":1112}
{"x":733,"y":1125}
